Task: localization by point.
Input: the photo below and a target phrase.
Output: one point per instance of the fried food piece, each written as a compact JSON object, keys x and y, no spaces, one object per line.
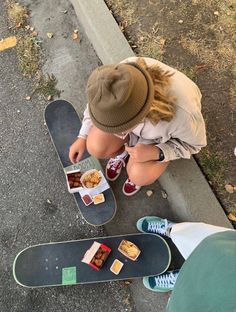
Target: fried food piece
{"x":98,"y":255}
{"x":104,"y":255}
{"x":77,"y":174}
{"x":92,"y":179}
{"x":89,"y":184}
{"x":98,"y":262}
{"x":130,"y":249}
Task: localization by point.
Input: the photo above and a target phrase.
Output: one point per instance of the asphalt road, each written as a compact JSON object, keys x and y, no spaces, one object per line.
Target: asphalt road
{"x":35,"y":206}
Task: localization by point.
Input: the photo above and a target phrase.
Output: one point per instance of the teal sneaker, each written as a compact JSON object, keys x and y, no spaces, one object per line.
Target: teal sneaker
{"x":151,"y":224}
{"x":161,"y":283}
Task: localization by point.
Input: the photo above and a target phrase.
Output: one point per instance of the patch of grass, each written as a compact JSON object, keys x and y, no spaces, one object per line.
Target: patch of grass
{"x":28,"y":55}
{"x":232,"y":93}
{"x":125,"y":11}
{"x":212,"y":165}
{"x":17,"y":13}
{"x":150,"y":44}
{"x":147,"y":43}
{"x":219,"y":58}
{"x":227,"y":16}
{"x":188,"y":71}
{"x":214,"y":43}
{"x":47,"y":86}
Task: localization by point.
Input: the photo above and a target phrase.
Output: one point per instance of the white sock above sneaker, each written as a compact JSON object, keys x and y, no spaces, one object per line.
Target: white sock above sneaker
{"x":122,"y":155}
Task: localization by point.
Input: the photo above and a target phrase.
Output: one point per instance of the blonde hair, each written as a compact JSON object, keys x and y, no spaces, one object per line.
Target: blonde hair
{"x":162,"y":107}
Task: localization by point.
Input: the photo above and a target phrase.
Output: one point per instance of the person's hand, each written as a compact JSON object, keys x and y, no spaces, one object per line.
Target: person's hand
{"x":143,"y":152}
{"x":77,"y":150}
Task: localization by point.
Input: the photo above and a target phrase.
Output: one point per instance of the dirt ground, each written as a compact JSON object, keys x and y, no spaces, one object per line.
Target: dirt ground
{"x":198,"y":38}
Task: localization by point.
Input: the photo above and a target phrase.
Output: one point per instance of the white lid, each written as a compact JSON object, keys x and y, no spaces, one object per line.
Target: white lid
{"x":91,"y":252}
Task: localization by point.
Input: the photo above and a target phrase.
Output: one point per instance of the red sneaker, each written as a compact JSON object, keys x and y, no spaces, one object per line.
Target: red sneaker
{"x":114,"y":166}
{"x":129,"y":188}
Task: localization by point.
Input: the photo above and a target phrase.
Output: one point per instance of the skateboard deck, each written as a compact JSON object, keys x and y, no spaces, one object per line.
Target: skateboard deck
{"x":58,"y":264}
{"x":63,"y":125}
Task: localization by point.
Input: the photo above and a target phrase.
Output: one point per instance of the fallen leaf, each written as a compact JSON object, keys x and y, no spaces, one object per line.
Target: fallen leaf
{"x":126,"y":301}
{"x":231,"y":217}
{"x":121,"y":28}
{"x":200,"y":66}
{"x":127,"y":282}
{"x":149,"y":193}
{"x":123,"y":25}
{"x":18,"y":25}
{"x":76,"y":31}
{"x":162,"y":42}
{"x":28,"y":98}
{"x":164,"y":194}
{"x":52,"y":77}
{"x":180,"y":21}
{"x":74,"y":36}
{"x":229,"y":188}
{"x":50,"y":35}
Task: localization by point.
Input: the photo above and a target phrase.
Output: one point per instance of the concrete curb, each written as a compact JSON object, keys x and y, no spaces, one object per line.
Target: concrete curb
{"x":102,"y":31}
{"x":189,"y":194}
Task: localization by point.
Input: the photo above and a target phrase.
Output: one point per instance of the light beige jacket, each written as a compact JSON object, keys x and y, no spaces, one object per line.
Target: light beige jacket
{"x":181,"y":137}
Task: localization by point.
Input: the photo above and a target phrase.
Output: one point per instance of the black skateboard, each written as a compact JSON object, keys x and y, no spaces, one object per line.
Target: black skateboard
{"x":58,"y":264}
{"x":63,"y":125}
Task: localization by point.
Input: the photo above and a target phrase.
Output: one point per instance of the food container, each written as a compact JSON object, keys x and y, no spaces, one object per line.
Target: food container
{"x":96,"y":255}
{"x":87,"y":200}
{"x":91,"y":179}
{"x":129,"y":249}
{"x":116,"y":266}
{"x":73,"y":179}
{"x":98,"y":199}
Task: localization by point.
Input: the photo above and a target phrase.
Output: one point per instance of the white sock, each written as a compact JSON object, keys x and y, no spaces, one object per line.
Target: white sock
{"x":123,"y":154}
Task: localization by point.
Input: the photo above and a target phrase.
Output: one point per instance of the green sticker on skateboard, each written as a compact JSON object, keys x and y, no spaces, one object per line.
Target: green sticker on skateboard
{"x":69,"y":276}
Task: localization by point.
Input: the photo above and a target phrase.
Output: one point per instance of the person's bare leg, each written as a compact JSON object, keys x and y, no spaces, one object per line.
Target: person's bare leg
{"x":104,"y":145}
{"x":145,"y":173}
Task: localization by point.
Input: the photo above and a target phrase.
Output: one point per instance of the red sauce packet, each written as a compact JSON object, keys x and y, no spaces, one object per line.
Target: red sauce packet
{"x":87,"y":200}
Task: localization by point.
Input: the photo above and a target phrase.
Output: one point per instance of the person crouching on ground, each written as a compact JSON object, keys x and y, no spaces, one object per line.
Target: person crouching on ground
{"x":143,"y":111}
